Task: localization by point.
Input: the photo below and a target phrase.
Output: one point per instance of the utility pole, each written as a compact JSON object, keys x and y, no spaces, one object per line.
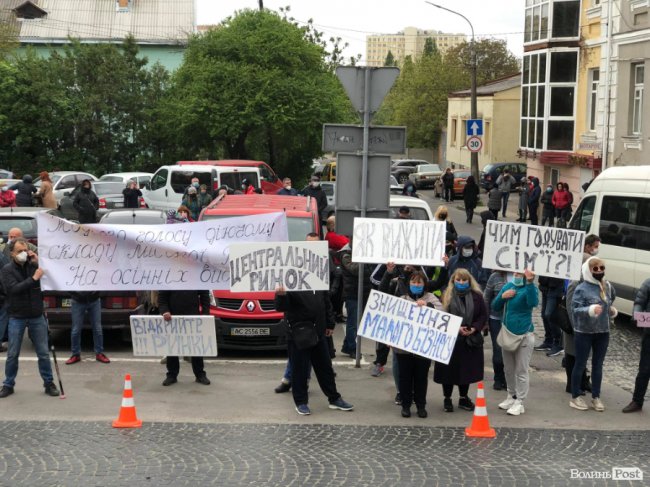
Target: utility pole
{"x":261,"y":2}
{"x":473,"y":103}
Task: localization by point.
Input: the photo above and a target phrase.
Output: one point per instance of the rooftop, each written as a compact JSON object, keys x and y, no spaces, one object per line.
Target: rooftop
{"x":488,"y":89}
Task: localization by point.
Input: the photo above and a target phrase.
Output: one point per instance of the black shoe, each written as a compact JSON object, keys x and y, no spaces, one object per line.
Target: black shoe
{"x":203,"y":380}
{"x":169,"y":381}
{"x":398,"y":399}
{"x":499,"y":386}
{"x":448,"y":405}
{"x":6,"y":391}
{"x":406,"y":412}
{"x":283,"y":387}
{"x":51,"y":390}
{"x":466,"y":404}
{"x":630,"y":408}
{"x":422,"y":413}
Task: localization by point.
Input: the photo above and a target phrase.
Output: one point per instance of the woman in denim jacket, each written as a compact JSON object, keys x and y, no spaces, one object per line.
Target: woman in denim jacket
{"x":592,"y":309}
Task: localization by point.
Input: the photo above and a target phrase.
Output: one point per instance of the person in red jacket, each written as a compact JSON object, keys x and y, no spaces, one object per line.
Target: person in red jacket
{"x":562,"y":203}
{"x":335,"y":241}
{"x":247,"y":187}
{"x":7,"y":198}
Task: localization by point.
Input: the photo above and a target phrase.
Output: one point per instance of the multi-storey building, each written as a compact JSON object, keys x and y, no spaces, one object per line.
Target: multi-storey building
{"x":410,"y":42}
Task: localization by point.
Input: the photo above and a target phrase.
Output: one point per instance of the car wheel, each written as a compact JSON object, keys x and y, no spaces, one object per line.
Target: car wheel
{"x":403,"y":178}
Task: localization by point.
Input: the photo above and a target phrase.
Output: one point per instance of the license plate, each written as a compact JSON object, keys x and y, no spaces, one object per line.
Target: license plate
{"x":250,"y":331}
{"x":119,"y":205}
{"x":66,"y":303}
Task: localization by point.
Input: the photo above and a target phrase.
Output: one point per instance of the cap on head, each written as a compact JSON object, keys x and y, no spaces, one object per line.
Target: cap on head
{"x":191,"y":190}
{"x":404,"y":209}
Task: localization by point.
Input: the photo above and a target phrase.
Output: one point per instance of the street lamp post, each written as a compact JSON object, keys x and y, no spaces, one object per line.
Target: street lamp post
{"x":473,"y":107}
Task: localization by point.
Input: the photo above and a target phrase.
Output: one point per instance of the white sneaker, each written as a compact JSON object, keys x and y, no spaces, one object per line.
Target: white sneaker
{"x":508,"y":403}
{"x":597,"y":404}
{"x":516,"y":409}
{"x":578,"y":403}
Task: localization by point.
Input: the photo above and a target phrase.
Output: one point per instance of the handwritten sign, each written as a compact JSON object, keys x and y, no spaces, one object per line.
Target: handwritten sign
{"x":546,"y":251}
{"x":400,"y":323}
{"x":189,"y":336}
{"x":642,"y":319}
{"x":379,"y":240}
{"x":105,"y":257}
{"x":297,"y":266}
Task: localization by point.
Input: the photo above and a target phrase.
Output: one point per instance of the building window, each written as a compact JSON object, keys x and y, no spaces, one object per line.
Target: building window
{"x":454,"y":131}
{"x":548,"y":100}
{"x":566,"y":18}
{"x":592,"y":102}
{"x":536,"y":20}
{"x":637,"y":97}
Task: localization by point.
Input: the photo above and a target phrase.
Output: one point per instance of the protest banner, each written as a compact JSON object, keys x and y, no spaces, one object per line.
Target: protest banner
{"x":642,"y":319}
{"x":187,"y":336}
{"x":104,"y":257}
{"x":546,"y":251}
{"x":380,"y":240}
{"x":297,"y":266}
{"x":400,"y":323}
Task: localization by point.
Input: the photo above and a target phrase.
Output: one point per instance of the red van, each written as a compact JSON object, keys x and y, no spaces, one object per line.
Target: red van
{"x":249,"y":321}
{"x":270,"y":181}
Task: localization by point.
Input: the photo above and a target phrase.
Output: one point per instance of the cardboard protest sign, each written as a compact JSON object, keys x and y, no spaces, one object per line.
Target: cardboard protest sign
{"x":189,"y":336}
{"x":546,"y":251}
{"x":400,"y":323}
{"x":642,"y":319}
{"x":297,"y":266}
{"x":380,"y":240}
{"x":104,"y":257}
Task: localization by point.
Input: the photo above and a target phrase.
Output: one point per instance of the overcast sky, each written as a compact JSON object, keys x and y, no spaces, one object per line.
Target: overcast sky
{"x":352,"y":20}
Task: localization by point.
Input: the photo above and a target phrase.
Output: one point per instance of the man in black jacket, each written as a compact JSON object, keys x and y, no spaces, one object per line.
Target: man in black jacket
{"x":312,"y":307}
{"x":86,"y":203}
{"x":316,"y":191}
{"x":641,"y":305}
{"x":189,"y":303}
{"x":22,"y":281}
{"x":448,"y":182}
{"x":86,"y":302}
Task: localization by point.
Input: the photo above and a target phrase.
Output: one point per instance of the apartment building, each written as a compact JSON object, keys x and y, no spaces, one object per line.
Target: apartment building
{"x":410,"y":42}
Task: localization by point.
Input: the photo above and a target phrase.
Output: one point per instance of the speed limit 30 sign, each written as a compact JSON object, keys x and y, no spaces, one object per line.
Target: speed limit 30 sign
{"x":474,"y":144}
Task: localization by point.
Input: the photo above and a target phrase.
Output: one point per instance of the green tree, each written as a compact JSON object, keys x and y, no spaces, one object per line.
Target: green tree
{"x":257,"y":87}
{"x":430,"y":47}
{"x":493,"y":59}
{"x":390,"y":59}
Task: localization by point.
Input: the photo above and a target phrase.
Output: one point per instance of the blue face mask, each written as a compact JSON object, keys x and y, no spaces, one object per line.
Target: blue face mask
{"x":416,"y":290}
{"x":461,"y":286}
{"x":549,"y":190}
{"x":518,"y":280}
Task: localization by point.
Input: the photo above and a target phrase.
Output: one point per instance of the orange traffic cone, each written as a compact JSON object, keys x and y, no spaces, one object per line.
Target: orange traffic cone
{"x":127,"y":417}
{"x":480,"y":426}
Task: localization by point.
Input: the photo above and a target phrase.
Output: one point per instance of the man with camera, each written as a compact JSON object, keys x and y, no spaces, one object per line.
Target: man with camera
{"x":22,"y":280}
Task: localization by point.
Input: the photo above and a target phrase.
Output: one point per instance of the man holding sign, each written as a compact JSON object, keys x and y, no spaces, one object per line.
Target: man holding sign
{"x":184,"y":303}
{"x":642,"y":317}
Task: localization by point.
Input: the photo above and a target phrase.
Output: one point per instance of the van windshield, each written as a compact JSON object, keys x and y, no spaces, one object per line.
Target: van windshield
{"x":233,"y":179}
{"x":298,"y":227}
{"x":181,"y":180}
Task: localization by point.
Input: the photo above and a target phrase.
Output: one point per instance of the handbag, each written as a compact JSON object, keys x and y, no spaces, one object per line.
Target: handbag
{"x":561,"y":317}
{"x":508,"y":341}
{"x":304,"y":334}
{"x":475,"y":340}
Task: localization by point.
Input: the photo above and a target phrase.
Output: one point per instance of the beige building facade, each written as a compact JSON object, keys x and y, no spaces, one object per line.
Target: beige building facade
{"x":498,"y":105}
{"x":410,"y":42}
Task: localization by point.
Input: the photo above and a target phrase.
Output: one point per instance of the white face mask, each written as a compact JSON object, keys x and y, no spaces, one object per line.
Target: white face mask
{"x":314,"y":184}
{"x":21,"y":257}
{"x":468,"y":252}
{"x":594,"y":252}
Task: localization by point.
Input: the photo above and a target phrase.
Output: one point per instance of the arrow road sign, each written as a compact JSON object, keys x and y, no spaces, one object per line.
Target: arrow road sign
{"x":474,"y":127}
{"x":349,"y":138}
{"x":474,"y":144}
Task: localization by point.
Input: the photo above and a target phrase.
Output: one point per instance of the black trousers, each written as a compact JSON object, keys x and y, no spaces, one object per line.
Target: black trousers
{"x":174,"y":366}
{"x":469,"y":212}
{"x":382,"y":354}
{"x":413,"y":375}
{"x":449,"y":193}
{"x":642,"y":378}
{"x":532,"y":211}
{"x":448,"y":389}
{"x":317,"y":357}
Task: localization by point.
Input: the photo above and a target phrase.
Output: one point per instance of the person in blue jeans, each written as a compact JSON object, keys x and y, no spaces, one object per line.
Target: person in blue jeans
{"x":87,"y":302}
{"x":22,"y":281}
{"x":592,"y":309}
{"x":552,"y":290}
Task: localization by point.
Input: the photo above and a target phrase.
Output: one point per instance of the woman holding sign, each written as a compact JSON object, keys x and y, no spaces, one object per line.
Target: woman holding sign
{"x":517,"y":299}
{"x":463,"y":297}
{"x":414,"y":369}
